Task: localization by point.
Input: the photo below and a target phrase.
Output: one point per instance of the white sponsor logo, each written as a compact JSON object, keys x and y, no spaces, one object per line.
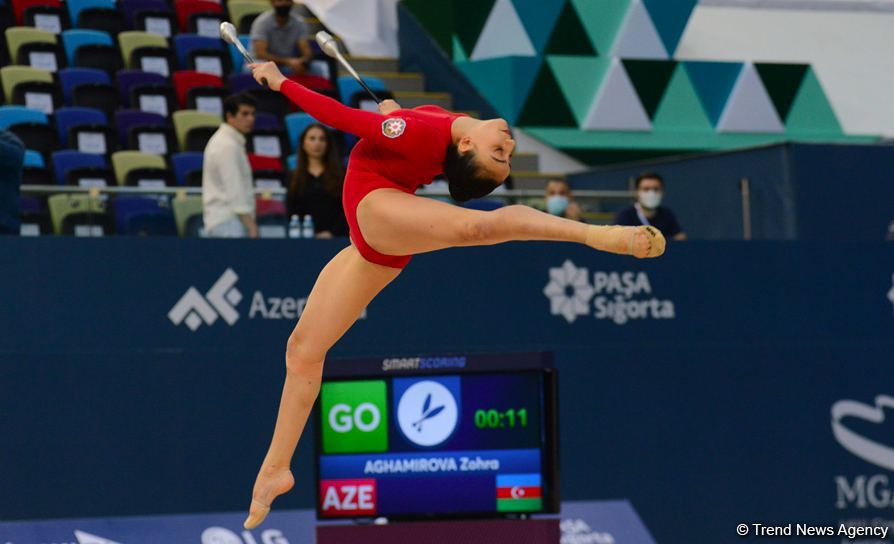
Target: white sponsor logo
{"x":576,"y":531}
{"x":221,"y":300}
{"x":193,"y":308}
{"x":863,"y":491}
{"x":87,"y":538}
{"x":617,"y":296}
{"x":891,"y":292}
{"x":220,"y":535}
{"x":427,"y":413}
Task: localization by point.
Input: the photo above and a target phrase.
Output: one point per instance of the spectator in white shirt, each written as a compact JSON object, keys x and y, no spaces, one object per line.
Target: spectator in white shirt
{"x":227,"y":186}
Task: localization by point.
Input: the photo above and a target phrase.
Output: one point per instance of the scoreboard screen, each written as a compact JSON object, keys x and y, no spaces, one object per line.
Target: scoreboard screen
{"x":465,"y":443}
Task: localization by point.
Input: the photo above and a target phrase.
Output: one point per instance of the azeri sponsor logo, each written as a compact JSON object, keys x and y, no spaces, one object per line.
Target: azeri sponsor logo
{"x":616,"y":296}
{"x":569,"y":291}
{"x":193,"y":308}
{"x":863,"y":491}
{"x":87,"y":538}
{"x":577,"y":531}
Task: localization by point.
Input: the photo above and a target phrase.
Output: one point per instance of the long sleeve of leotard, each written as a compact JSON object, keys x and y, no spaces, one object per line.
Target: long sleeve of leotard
{"x":362,"y":123}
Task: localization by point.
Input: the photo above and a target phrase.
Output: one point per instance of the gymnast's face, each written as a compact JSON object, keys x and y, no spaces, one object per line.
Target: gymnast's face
{"x":493,"y":146}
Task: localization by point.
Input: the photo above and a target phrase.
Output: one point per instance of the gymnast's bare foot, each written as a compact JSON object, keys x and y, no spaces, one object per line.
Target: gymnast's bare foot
{"x":270,"y":484}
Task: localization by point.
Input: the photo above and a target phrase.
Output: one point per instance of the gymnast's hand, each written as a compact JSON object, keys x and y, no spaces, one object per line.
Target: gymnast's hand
{"x":268,"y":71}
{"x":388,"y":106}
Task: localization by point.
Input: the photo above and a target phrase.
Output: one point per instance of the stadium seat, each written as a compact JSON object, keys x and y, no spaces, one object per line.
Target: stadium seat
{"x":295,"y":125}
{"x":207,"y":99}
{"x":34,"y":175}
{"x":101,"y":96}
{"x":93,"y":138}
{"x":239,"y":9}
{"x":16,"y":115}
{"x":70,"y":78}
{"x":7,"y":20}
{"x":75,"y":38}
{"x":187,"y":121}
{"x":184,"y":80}
{"x":38,"y":95}
{"x":103,"y":19}
{"x":260,"y":162}
{"x":100,"y":57}
{"x":242,"y":82}
{"x":348,"y":86}
{"x":269,"y":179}
{"x":199,"y":16}
{"x":266,"y":142}
{"x":73,"y":116}
{"x":188,"y":215}
{"x":79,"y":214}
{"x":13,"y":75}
{"x":123,"y":162}
{"x":292,"y":162}
{"x":19,"y":7}
{"x":43,"y":55}
{"x":202,"y":54}
{"x":158,"y":99}
{"x":67,"y":160}
{"x":33,"y":159}
{"x":185,"y":164}
{"x":161,"y":22}
{"x":18,"y":36}
{"x":135,"y":39}
{"x":31,"y":126}
{"x":267,"y":121}
{"x":75,"y":7}
{"x":46,"y":15}
{"x":141,"y":216}
{"x":34,"y":218}
{"x":145,"y":131}
{"x":126,"y":79}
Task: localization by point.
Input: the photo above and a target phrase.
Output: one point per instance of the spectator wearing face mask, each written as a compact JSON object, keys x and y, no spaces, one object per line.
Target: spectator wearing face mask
{"x":648,"y":209}
{"x":559,"y":200}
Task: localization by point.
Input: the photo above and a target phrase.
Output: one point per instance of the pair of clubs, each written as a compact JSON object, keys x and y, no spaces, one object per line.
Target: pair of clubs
{"x":324,"y":39}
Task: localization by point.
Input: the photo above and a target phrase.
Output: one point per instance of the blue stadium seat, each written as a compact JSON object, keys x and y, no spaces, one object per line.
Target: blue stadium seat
{"x":292,"y":162}
{"x":128,"y":119}
{"x":63,"y":161}
{"x":33,"y":159}
{"x":185,"y":43}
{"x":130,"y":9}
{"x":347,"y":86}
{"x":75,"y":38}
{"x":184,"y":163}
{"x":267,"y":121}
{"x":70,"y":78}
{"x":240,"y":82}
{"x":295,"y":125}
{"x":69,"y":117}
{"x":131,"y":78}
{"x":15,"y":115}
{"x":238,"y":60}
{"x":141,"y":216}
{"x":75,"y":7}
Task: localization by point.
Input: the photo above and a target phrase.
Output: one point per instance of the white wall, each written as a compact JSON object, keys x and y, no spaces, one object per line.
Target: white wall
{"x":851,"y":48}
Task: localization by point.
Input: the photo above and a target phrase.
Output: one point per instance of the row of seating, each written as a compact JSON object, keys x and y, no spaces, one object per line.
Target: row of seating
{"x":86,"y":215}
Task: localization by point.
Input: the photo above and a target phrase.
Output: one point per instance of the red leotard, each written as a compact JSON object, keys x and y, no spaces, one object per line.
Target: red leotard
{"x":403,"y":150}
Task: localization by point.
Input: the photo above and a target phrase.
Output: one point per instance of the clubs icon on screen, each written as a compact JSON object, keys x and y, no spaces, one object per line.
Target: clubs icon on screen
{"x":427,"y":413}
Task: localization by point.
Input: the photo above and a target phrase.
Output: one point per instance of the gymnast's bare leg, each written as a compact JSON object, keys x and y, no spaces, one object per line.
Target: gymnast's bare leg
{"x":397,"y":223}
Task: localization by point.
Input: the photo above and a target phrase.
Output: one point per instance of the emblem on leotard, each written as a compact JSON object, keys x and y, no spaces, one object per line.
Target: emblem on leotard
{"x":393,"y":127}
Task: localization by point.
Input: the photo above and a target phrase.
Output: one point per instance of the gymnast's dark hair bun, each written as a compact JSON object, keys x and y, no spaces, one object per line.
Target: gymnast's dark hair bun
{"x":466,"y":180}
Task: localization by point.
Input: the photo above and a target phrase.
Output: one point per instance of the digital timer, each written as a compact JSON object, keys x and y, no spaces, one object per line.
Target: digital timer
{"x":495,"y":419}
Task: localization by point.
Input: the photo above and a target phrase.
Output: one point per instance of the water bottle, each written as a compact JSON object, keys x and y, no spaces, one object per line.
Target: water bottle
{"x":295,"y":227}
{"x":307,"y":227}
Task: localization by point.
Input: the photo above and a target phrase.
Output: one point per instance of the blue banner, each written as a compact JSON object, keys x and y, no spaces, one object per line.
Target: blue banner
{"x":725,"y":383}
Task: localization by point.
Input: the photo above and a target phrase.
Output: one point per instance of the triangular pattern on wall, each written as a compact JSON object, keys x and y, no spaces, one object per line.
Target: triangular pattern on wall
{"x":503,"y":35}
{"x":782,"y":82}
{"x":505,"y":82}
{"x":616,"y":105}
{"x":602,"y":20}
{"x":539,"y":17}
{"x":470,"y":17}
{"x":680,"y":109}
{"x":749,"y":108}
{"x":650,"y":78}
{"x":438,"y":23}
{"x":579,"y":78}
{"x":811,"y":113}
{"x":545,"y":106}
{"x":459,"y":54}
{"x":638,"y":38}
{"x":568,"y":36}
{"x":713,"y":81}
{"x":670,"y":18}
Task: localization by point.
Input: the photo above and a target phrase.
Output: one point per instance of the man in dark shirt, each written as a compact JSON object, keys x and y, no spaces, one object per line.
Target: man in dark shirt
{"x":648,"y":209}
{"x":12,"y":153}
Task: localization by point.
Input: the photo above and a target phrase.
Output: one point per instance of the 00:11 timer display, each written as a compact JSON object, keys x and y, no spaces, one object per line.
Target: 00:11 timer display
{"x":495,"y":419}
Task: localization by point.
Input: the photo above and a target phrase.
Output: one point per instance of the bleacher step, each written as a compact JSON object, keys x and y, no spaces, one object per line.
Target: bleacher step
{"x":412,"y":100}
{"x":371,"y":64}
{"x":400,"y":81}
{"x":532,"y":180}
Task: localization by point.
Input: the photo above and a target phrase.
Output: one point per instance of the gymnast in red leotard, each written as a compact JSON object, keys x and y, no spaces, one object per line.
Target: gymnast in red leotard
{"x":399,"y":151}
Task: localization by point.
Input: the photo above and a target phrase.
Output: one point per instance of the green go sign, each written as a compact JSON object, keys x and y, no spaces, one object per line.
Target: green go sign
{"x":355,"y":417}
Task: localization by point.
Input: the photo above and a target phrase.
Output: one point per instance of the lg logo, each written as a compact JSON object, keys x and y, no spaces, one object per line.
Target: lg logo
{"x":366,"y":417}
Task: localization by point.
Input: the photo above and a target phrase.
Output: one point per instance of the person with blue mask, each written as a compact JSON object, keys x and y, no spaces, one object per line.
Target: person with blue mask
{"x":560,"y":202}
{"x":648,"y":209}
